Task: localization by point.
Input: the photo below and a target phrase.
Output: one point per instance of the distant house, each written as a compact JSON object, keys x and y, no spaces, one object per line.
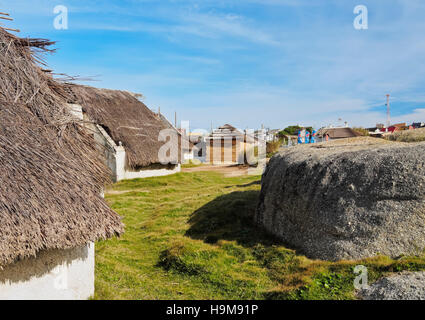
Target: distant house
{"x":272,"y":135}
{"x":199,"y":150}
{"x":266,"y":134}
{"x":376,"y":133}
{"x":395,"y":127}
{"x":289,"y":139}
{"x":337,"y":133}
{"x":417,"y":125}
{"x":228,"y":145}
{"x":51,"y":207}
{"x":126,"y":131}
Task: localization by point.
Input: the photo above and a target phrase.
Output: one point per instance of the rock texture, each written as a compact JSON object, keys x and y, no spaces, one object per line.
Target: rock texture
{"x":347,"y":199}
{"x":404,"y":286}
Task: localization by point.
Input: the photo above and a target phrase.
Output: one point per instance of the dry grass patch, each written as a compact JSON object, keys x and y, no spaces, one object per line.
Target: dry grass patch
{"x":416,"y":135}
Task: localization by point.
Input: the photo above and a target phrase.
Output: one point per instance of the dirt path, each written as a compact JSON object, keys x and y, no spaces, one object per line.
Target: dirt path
{"x":227,"y":170}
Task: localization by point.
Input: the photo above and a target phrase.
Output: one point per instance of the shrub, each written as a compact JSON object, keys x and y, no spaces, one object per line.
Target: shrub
{"x":362,"y":131}
{"x":416,"y":135}
{"x":273,"y":147}
{"x":293,"y":130}
{"x":179,"y":259}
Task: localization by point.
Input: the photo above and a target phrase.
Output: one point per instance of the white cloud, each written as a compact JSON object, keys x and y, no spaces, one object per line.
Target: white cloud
{"x":228,"y":25}
{"x":418,"y":115}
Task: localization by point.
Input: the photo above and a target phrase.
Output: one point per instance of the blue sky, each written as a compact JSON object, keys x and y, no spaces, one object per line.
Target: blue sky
{"x":244,"y":62}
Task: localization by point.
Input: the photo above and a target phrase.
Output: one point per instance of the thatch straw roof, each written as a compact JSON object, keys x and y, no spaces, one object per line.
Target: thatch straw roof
{"x":51,"y":176}
{"x":188,"y":146}
{"x":229,"y":131}
{"x":126,"y":119}
{"x":338,"y":133}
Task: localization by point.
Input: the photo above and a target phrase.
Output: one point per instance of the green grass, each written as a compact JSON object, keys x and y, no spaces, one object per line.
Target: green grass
{"x":192,"y":164}
{"x":191,"y":236}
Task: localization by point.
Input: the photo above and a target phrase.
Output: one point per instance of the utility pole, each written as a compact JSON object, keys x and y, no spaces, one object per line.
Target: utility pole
{"x":388,"y":111}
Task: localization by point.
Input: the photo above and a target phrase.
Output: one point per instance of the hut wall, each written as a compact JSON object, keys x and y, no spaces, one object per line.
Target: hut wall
{"x":55,"y":274}
{"x":116,"y":160}
{"x":225,"y":151}
{"x":114,"y":154}
{"x":188,"y":155}
{"x":146,"y":173}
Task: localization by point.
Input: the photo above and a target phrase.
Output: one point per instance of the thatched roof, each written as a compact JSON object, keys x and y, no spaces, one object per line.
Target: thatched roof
{"x":226,"y":130}
{"x":228,"y":127}
{"x":51,"y":176}
{"x":230,"y":132}
{"x":338,"y":133}
{"x":188,"y":146}
{"x":126,"y":119}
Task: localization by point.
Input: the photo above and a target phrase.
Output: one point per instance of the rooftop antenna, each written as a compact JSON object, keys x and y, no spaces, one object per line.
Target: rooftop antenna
{"x":175,"y":119}
{"x":388,"y":111}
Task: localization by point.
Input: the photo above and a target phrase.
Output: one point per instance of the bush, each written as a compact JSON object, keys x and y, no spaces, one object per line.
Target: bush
{"x":273,"y":147}
{"x":416,"y":135}
{"x":293,"y":131}
{"x":364,"y":132}
{"x":179,"y":259}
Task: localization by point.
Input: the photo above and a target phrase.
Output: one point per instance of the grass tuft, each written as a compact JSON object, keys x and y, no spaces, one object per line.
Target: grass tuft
{"x":416,"y":135}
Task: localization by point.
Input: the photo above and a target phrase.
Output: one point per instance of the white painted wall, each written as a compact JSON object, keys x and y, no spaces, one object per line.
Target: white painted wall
{"x":124,"y":174}
{"x":52,"y":275}
{"x":188,"y":156}
{"x":149,"y":173}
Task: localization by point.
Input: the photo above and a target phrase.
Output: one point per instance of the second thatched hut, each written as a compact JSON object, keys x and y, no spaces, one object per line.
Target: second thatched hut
{"x":129,"y":134}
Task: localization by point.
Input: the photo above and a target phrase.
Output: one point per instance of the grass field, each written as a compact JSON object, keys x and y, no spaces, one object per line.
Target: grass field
{"x":190,"y":236}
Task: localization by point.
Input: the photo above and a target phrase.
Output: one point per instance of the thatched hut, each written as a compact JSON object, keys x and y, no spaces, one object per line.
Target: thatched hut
{"x":51,"y":207}
{"x":228,"y":145}
{"x":337,"y":133}
{"x":127,"y":131}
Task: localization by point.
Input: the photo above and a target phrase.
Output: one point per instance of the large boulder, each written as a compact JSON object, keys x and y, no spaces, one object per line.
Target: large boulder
{"x":347,"y":199}
{"x":402,"y":286}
